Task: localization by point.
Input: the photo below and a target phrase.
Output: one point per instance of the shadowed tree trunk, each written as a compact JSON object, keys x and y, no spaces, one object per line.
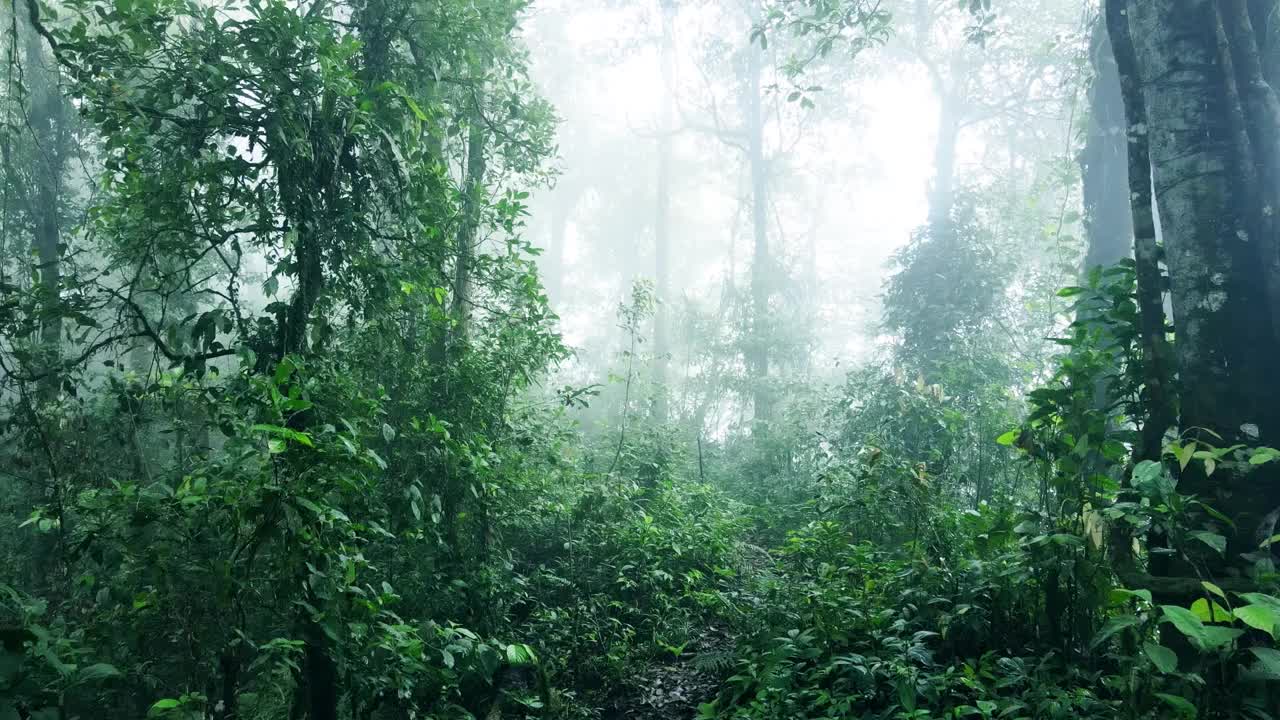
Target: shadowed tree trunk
{"x":49,"y":117}
{"x":1208,"y":132}
{"x":477,"y":137}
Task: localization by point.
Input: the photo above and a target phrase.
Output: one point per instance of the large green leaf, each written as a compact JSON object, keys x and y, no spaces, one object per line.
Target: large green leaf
{"x":96,"y":672}
{"x":1211,"y":613}
{"x":1166,"y":660}
{"x":1204,"y":637}
{"x":1261,"y":617}
{"x":1180,"y":705}
{"x":1186,"y":622}
{"x":1113,"y":626}
{"x":1268,"y":665}
{"x":1213,"y":540}
{"x":519,"y":654}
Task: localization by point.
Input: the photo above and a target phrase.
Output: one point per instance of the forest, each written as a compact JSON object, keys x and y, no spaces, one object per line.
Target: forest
{"x":639,"y":359}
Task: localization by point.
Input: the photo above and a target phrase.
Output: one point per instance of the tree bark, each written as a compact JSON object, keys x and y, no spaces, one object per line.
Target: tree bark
{"x":1211,"y":207}
{"x":761,"y":263}
{"x":477,"y":138}
{"x":1157,"y":370}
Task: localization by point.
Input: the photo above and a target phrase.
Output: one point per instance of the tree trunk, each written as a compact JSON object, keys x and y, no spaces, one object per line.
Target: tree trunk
{"x":1157,"y":362}
{"x":51,"y":139}
{"x":553,"y":270}
{"x":1212,"y":208}
{"x":477,"y":137}
{"x":1259,"y":113}
{"x":761,"y":263}
{"x":1104,"y":163}
{"x":1157,"y":400}
{"x":942,"y":194}
{"x":662,"y":218}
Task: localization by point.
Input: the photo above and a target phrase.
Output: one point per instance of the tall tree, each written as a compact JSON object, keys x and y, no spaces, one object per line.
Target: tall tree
{"x":761,"y":260}
{"x":662,"y":210}
{"x":1209,"y":116}
{"x":1104,"y":160}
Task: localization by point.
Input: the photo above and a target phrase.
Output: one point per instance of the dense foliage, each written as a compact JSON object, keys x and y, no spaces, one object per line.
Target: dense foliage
{"x":290,"y":430}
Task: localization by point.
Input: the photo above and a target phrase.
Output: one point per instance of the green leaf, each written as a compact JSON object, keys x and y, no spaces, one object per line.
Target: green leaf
{"x":1268,"y":665}
{"x":1263,"y":455}
{"x":1214,"y":613}
{"x":417,"y":111}
{"x":1217,"y":636}
{"x":1213,"y":540}
{"x":1119,"y":595}
{"x":1260,"y":617}
{"x":1070,"y":291}
{"x":160,"y":706}
{"x":1181,"y":705}
{"x":299,"y":437}
{"x":97,"y":672}
{"x":1183,"y":454}
{"x":520,"y":655}
{"x":1186,"y":622}
{"x":1113,"y":626}
{"x":1151,"y":480}
{"x":1009,"y":438}
{"x":1165,"y":660}
{"x":1213,"y":589}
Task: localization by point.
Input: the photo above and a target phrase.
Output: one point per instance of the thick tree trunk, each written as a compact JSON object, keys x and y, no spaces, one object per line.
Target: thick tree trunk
{"x":1158,"y":408}
{"x":1259,"y":123}
{"x":1104,"y":162}
{"x":1212,"y":210}
{"x":1156,"y":354}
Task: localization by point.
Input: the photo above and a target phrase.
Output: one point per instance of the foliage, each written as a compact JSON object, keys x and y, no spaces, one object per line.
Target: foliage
{"x":277,"y":441}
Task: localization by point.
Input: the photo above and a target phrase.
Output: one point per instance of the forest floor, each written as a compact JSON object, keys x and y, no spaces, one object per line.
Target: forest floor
{"x":675,"y":688}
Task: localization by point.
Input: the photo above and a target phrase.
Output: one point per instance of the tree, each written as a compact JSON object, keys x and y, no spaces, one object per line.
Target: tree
{"x":1202,"y":100}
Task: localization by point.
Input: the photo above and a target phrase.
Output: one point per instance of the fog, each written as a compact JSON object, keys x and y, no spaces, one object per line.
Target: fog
{"x":853,"y":146}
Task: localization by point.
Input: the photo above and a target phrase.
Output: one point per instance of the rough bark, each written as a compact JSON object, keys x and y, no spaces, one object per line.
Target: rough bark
{"x":1258,"y":120}
{"x":1157,"y":402}
{"x":1156,"y":354}
{"x":1209,"y":200}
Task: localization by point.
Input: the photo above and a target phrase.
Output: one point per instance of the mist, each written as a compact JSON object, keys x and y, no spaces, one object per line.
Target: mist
{"x":603,"y":360}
